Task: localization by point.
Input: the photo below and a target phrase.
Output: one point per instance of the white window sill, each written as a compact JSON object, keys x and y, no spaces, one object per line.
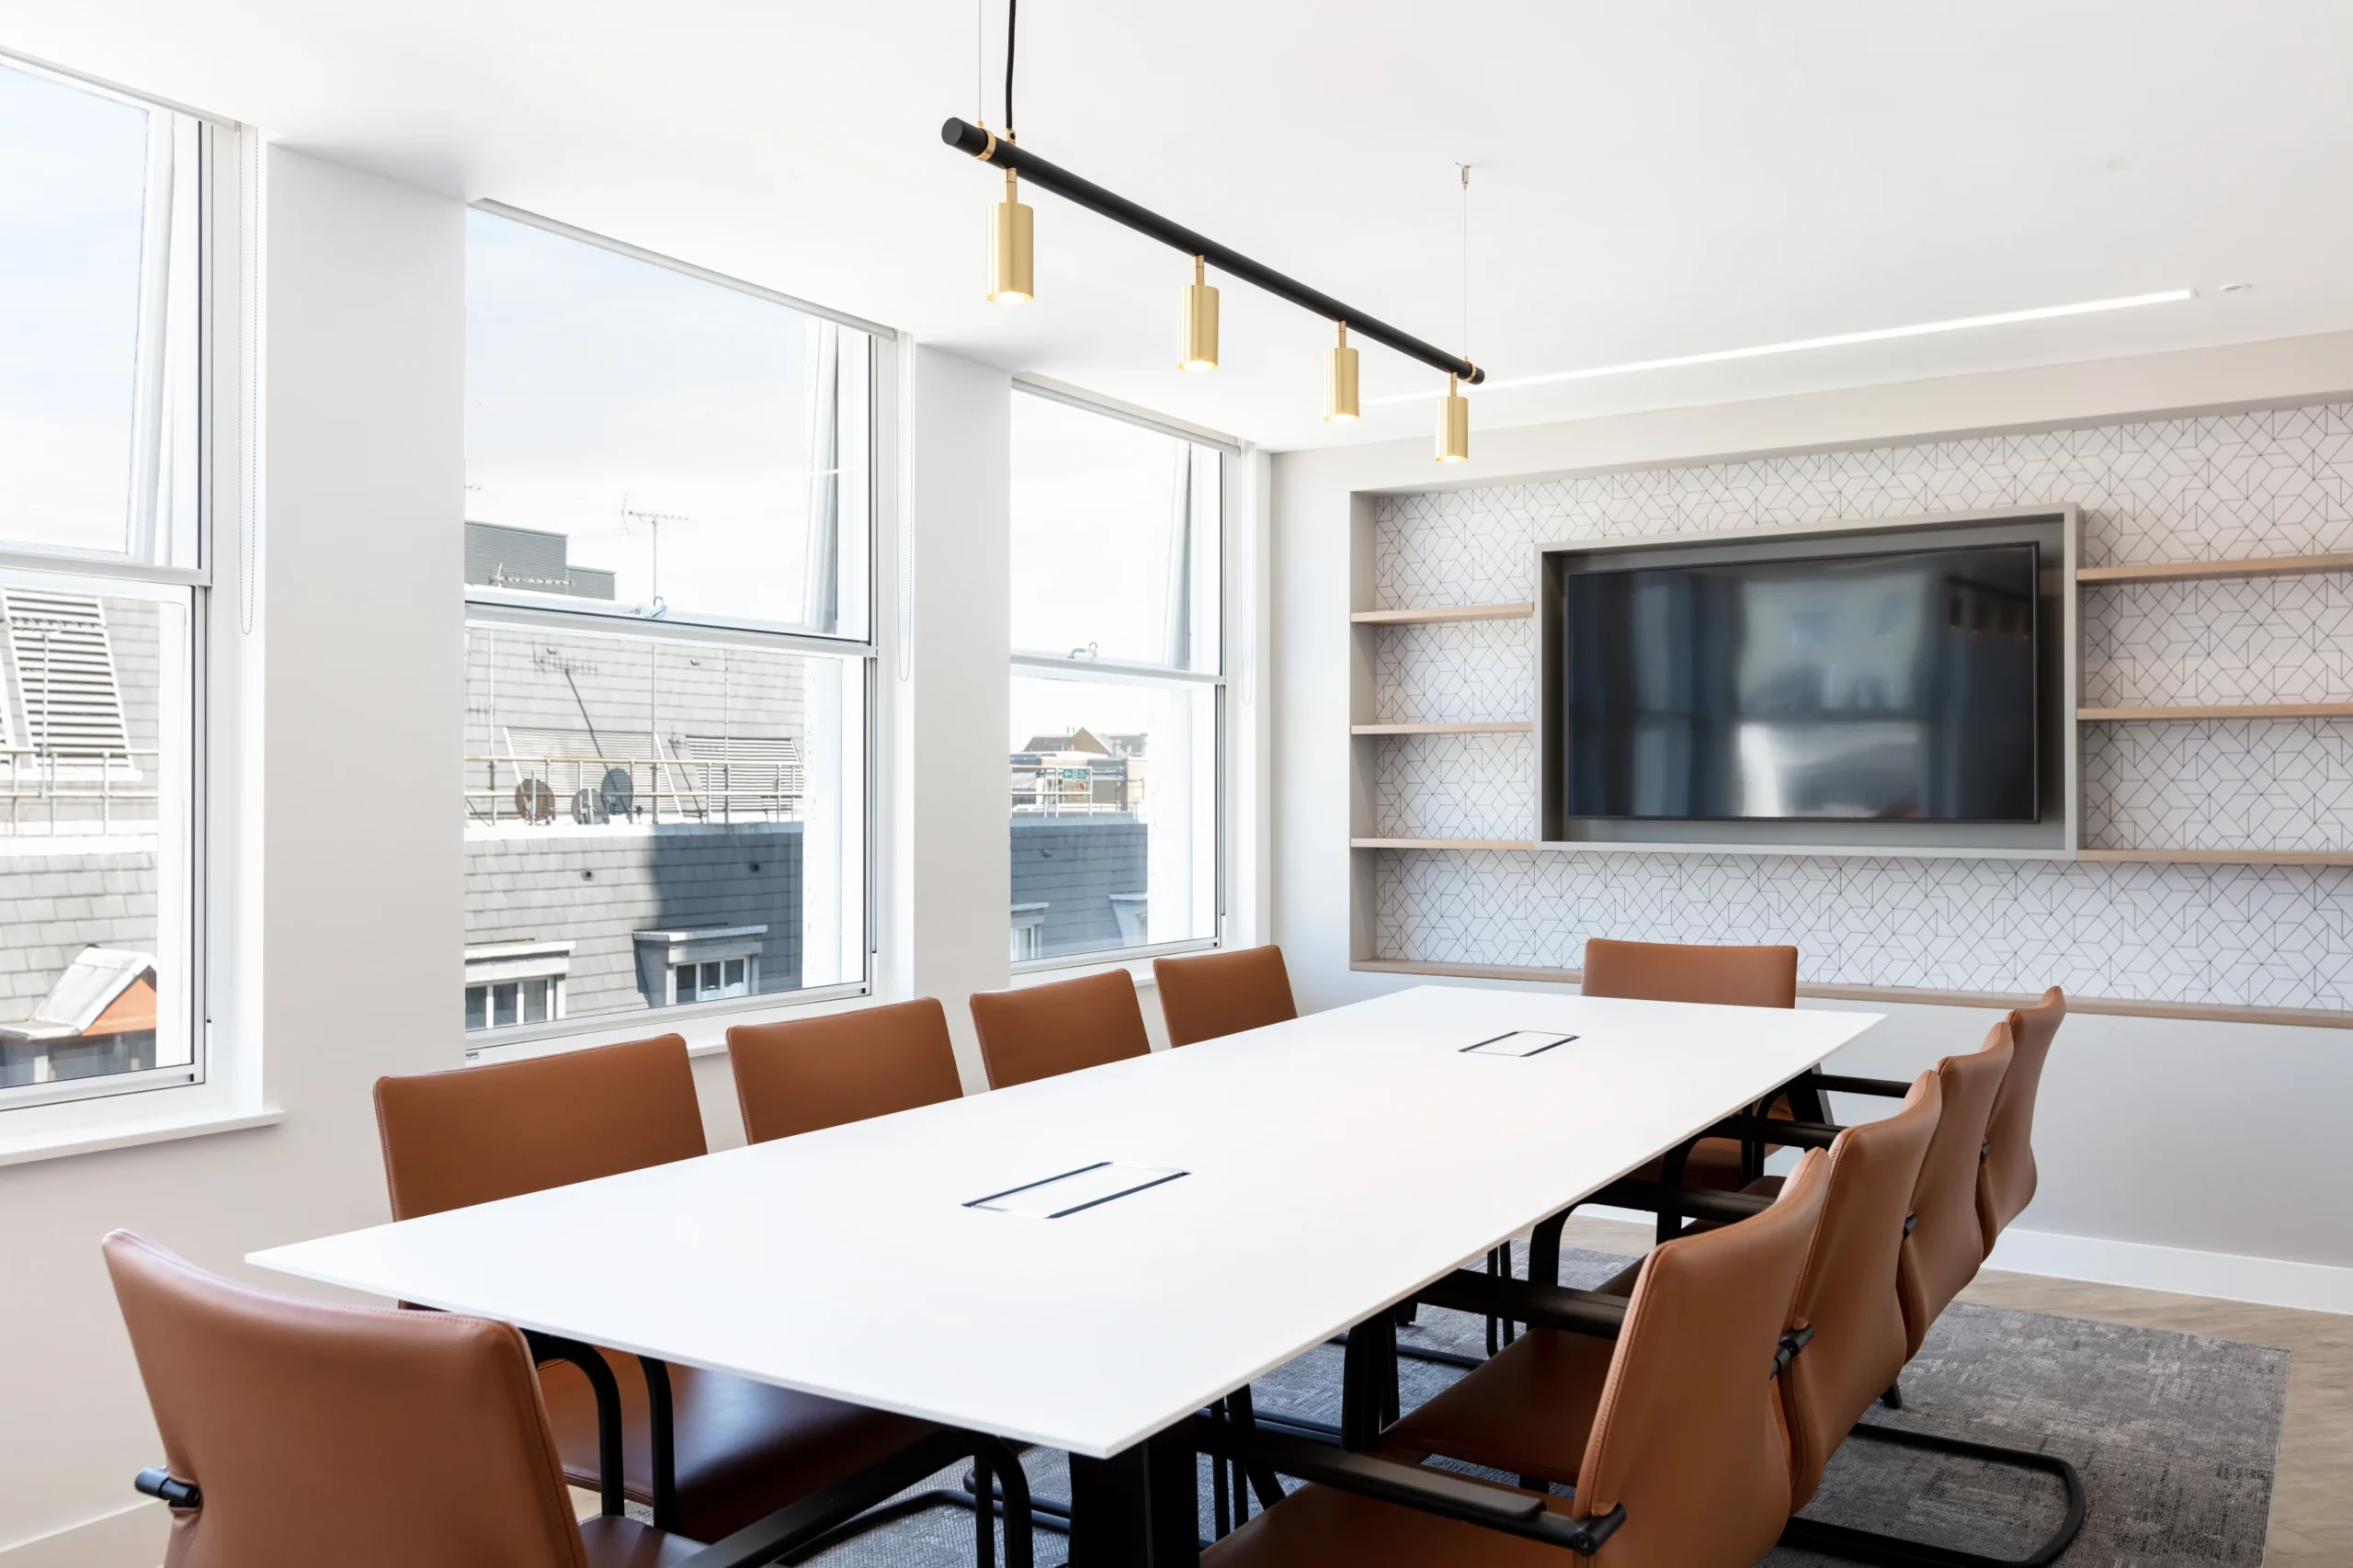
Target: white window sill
{"x":1078,"y":966}
{"x":703,"y":1026}
{"x":129,"y":1131}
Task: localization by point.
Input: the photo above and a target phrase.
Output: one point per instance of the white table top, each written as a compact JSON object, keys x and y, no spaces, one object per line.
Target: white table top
{"x":1336,"y":1164}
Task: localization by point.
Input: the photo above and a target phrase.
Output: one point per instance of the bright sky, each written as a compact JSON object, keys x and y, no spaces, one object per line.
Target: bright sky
{"x":1094,"y":542}
{"x":595,"y":381}
{"x":73,"y":188}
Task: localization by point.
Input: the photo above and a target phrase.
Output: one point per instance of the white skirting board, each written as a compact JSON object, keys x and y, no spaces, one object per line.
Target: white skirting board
{"x":130,"y":1537}
{"x":2228,"y":1277}
{"x":2267,"y":1281}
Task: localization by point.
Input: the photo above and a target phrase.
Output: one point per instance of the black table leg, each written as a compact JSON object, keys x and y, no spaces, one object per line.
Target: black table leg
{"x":1137,"y":1509}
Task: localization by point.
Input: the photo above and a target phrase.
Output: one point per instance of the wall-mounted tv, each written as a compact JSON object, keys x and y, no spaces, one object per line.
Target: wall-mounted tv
{"x":1891,"y":686}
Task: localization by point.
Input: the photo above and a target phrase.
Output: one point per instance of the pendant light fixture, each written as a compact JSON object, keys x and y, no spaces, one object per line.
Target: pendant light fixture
{"x":1011,"y":263}
{"x":1454,"y":410}
{"x":1453,"y":425}
{"x":1012,"y":280}
{"x":1198,"y":333}
{"x":1340,"y":380}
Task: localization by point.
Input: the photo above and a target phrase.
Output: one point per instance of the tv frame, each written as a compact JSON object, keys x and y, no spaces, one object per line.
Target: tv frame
{"x":2055,"y":529}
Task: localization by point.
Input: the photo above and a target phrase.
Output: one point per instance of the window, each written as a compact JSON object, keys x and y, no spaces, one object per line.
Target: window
{"x":509,"y":984}
{"x":1118,"y":684}
{"x":668,"y":559}
{"x":104,"y":579}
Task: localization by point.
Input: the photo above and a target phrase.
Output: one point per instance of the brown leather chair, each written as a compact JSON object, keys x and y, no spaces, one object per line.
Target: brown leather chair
{"x":742,"y":1448}
{"x":1947,"y":1244}
{"x":299,"y":1433}
{"x":1209,"y":994}
{"x":2006,"y":1181}
{"x":1043,"y":1031}
{"x":1725,"y":976}
{"x":1679,"y":971}
{"x":807,"y":1074}
{"x":1865,"y":1335}
{"x":1897,"y":1233}
{"x":1676,"y":1422}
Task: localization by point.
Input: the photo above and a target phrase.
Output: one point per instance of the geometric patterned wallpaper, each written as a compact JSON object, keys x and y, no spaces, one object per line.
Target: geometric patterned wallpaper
{"x":2273,"y":483}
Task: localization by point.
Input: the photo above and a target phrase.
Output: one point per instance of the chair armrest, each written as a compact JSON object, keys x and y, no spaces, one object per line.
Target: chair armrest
{"x":160,"y":1482}
{"x":1773,"y":1130}
{"x":1840,"y":1084}
{"x":1407,"y":1485}
{"x":1695,"y":1203}
{"x":1529,"y":1302}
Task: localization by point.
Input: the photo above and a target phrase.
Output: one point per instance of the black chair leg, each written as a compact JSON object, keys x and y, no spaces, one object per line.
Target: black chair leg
{"x":1883,"y":1550}
{"x":1893,"y":1397}
{"x":1220,"y":1508}
{"x":996,"y":1475}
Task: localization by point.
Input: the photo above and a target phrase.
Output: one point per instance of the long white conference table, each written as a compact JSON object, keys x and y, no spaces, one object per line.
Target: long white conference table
{"x":1331,"y":1167}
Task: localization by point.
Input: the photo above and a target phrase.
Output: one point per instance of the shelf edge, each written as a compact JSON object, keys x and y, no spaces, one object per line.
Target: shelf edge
{"x":2199,"y":1012}
{"x":2217,"y":857}
{"x":2214,"y":570}
{"x":1439,"y":614}
{"x":1473,"y":727}
{"x":2216,"y":711}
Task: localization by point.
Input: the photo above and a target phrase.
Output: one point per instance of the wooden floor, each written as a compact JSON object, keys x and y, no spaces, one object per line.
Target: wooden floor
{"x":2311,"y":1501}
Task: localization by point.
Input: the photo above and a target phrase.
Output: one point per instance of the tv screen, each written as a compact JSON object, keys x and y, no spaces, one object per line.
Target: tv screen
{"x":1882,"y":687}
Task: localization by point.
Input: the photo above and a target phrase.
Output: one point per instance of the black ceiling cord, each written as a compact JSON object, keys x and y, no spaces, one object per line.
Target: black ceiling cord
{"x":1012,"y":10}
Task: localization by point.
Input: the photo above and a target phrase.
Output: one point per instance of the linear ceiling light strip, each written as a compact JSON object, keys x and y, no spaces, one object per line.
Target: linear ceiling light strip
{"x":999,"y":153}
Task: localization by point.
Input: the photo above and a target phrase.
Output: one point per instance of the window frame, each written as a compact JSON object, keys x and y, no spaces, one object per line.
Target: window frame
{"x":1219,"y":679}
{"x":214,"y":1086}
{"x":511,"y":610}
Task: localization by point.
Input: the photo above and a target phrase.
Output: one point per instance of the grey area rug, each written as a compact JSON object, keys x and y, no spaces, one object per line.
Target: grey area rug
{"x":2176,"y":1435}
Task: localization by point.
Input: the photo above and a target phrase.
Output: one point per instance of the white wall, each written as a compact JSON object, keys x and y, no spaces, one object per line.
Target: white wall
{"x":2166,"y":1145}
{"x":950,"y":893}
{"x":362,"y":534}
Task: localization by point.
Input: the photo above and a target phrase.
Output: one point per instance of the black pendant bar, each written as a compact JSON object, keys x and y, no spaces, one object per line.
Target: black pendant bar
{"x":966,"y":137}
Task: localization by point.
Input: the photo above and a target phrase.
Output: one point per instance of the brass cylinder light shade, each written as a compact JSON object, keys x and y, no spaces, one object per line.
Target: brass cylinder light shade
{"x":1340,"y":380}
{"x":1454,"y":425}
{"x":1198,"y":330}
{"x":1010,"y":255}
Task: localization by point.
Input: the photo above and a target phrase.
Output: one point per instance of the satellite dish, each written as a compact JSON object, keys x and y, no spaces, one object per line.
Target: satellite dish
{"x":534,"y":801}
{"x":584,"y":807}
{"x":616,"y":794}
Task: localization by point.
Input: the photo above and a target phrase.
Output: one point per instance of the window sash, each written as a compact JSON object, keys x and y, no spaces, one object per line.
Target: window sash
{"x":492,"y":608}
{"x":169,"y":553}
{"x":1039,"y":665}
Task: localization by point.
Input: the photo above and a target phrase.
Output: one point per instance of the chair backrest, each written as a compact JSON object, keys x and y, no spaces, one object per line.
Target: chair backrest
{"x":811,"y":1072}
{"x":1679,"y":971}
{"x":477,"y":1134}
{"x":2006,"y":1181}
{"x":1211,"y":995}
{"x":353,"y":1436}
{"x":1688,"y":1434}
{"x":1947,"y":1244}
{"x":1041,"y":1031}
{"x":1847,"y":1290}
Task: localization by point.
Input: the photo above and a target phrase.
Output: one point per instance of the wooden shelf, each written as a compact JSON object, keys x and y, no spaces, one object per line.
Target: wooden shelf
{"x":1439,"y":613}
{"x":1440,"y":844}
{"x":2197,"y":570}
{"x":2220,"y":857}
{"x":2130,"y":1007}
{"x":1475,"y":727}
{"x":2220,"y":710}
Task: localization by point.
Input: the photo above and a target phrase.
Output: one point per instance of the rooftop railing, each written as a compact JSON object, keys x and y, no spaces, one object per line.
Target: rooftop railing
{"x":589,"y":790}
{"x":1067,"y":791}
{"x":65,"y":791}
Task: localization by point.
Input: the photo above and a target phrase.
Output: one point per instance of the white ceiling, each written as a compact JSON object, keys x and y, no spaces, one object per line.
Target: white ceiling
{"x":1649,"y":180}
